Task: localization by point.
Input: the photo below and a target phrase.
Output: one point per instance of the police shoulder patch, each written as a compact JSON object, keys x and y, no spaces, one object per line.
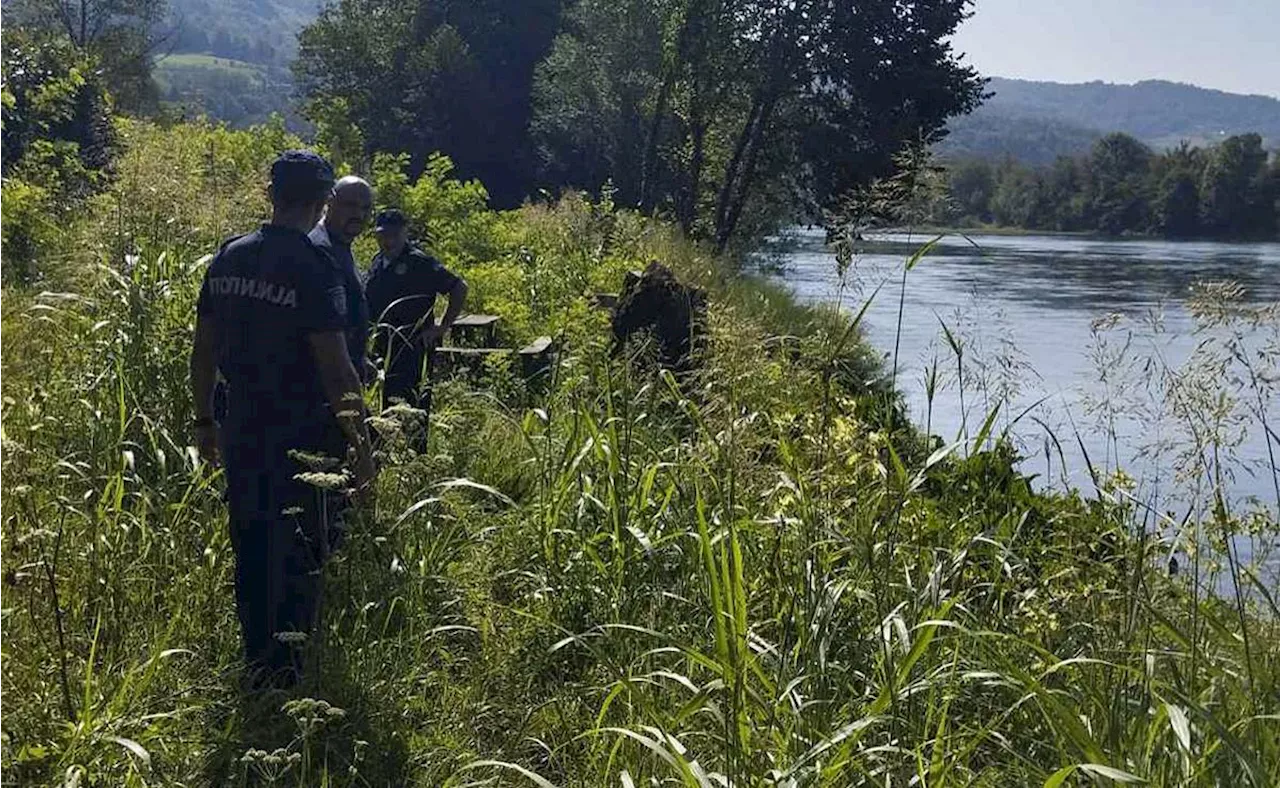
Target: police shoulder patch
{"x":338,"y":295}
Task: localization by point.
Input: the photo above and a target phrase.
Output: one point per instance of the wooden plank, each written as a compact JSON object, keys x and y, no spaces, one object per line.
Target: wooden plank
{"x":476,"y":326}
{"x":476,"y":321}
{"x":536,"y":347}
{"x":451,"y":359}
{"x":471,"y":351}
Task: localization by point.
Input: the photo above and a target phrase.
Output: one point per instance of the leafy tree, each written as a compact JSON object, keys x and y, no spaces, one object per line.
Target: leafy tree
{"x":971,"y":185}
{"x":52,"y":92}
{"x":1016,"y":196}
{"x":1062,"y":193}
{"x":736,"y":109}
{"x":1116,"y":191}
{"x":120,"y":35}
{"x":1237,"y":189}
{"x":56,"y":137}
{"x":589,"y":98}
{"x":421,"y":76}
{"x":1177,"y":191}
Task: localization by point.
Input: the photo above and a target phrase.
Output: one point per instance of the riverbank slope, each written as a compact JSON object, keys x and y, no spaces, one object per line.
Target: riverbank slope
{"x":757,"y":572}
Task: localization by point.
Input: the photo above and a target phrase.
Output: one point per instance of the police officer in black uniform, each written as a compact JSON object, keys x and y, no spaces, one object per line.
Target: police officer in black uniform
{"x":401,"y":288}
{"x":271,"y":319}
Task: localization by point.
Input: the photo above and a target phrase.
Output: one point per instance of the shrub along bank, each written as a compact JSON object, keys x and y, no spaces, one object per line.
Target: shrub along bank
{"x":755,"y":573}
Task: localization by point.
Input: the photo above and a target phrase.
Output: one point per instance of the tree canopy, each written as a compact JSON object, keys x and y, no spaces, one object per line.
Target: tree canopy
{"x":724,"y":114}
{"x":120,"y":35}
{"x":420,"y":76}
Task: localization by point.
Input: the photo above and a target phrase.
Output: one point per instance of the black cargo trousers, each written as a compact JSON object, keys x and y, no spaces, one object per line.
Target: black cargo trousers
{"x":408,"y":367}
{"x":282,"y":531}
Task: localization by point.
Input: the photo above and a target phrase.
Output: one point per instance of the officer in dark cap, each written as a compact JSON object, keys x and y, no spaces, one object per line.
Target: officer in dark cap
{"x":271,"y":319}
{"x":401,"y":287}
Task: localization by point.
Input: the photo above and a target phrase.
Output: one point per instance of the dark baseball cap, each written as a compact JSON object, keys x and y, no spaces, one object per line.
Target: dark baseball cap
{"x":301,"y":174}
{"x":389,"y":219}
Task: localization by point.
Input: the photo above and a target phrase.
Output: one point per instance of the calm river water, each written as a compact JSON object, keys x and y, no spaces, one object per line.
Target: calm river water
{"x":1083,"y":327}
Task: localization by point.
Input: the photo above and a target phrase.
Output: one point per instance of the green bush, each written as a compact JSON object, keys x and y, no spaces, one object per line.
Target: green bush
{"x":28,"y":228}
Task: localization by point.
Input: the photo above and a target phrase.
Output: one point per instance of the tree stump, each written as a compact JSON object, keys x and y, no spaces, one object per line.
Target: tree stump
{"x":657,"y":303}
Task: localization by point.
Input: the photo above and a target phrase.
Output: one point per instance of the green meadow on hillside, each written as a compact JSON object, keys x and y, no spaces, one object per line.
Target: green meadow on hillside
{"x":233,"y":91}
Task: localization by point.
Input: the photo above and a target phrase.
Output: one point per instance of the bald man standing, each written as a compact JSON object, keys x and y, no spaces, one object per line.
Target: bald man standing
{"x":346,"y":213}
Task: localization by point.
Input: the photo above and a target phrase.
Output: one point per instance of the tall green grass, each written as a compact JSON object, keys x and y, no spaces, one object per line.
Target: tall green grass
{"x":756,"y":574}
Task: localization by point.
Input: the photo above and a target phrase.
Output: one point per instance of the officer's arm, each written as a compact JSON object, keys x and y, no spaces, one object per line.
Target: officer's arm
{"x":342,"y":388}
{"x":457,"y":299}
{"x":204,"y":366}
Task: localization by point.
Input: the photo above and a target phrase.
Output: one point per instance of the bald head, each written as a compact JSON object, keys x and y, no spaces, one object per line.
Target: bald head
{"x":350,"y":206}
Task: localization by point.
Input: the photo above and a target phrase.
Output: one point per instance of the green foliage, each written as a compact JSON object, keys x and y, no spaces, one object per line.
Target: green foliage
{"x":1238,"y":190}
{"x":57,"y":138}
{"x":51,"y":93}
{"x":727,"y":116}
{"x":754,"y":574}
{"x":1115,"y":193}
{"x":340,"y":140}
{"x":422,"y":76}
{"x":119,"y":36}
{"x":28,"y":227}
{"x":1177,"y":200}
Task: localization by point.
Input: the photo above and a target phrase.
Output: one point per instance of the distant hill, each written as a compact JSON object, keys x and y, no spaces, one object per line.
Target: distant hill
{"x":235,"y":91}
{"x":264,"y":32}
{"x":1036,"y":121}
{"x":230,"y":58}
{"x":990,"y":135}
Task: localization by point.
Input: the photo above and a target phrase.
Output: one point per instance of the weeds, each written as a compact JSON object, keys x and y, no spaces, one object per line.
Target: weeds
{"x":756,"y":574}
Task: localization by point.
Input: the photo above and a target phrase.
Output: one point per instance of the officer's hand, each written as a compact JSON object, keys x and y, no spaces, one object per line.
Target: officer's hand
{"x":207,"y":444}
{"x":432,"y":335}
{"x":365,"y":472}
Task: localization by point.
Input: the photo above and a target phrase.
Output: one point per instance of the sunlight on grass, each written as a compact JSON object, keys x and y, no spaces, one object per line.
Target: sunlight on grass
{"x":756,"y":573}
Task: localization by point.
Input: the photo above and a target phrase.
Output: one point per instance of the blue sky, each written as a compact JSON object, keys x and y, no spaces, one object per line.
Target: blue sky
{"x":1231,"y":45}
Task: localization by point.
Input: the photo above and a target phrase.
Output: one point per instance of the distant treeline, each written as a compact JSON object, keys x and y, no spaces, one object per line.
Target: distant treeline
{"x":1231,"y":190}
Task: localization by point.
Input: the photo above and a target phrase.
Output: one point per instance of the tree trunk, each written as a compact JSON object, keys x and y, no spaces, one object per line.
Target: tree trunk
{"x":689,"y":214}
{"x":731,"y":172}
{"x":649,"y":162}
{"x":738,"y":198}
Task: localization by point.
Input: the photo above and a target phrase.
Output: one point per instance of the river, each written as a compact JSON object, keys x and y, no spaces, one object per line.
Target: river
{"x":1094,"y":339}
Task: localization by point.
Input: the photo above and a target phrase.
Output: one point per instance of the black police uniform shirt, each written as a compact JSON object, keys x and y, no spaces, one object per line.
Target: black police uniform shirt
{"x":268,"y":291}
{"x":402,"y":291}
{"x":357,"y":329}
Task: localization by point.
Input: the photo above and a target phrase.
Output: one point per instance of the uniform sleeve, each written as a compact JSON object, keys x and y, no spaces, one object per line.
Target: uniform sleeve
{"x":440,"y":280}
{"x":207,"y":302}
{"x":322,"y":298}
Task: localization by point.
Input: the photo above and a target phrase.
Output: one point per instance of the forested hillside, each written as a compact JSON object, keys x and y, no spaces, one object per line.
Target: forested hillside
{"x":988,"y":135}
{"x":230,"y":59}
{"x":264,"y":32}
{"x":1035,"y":122}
